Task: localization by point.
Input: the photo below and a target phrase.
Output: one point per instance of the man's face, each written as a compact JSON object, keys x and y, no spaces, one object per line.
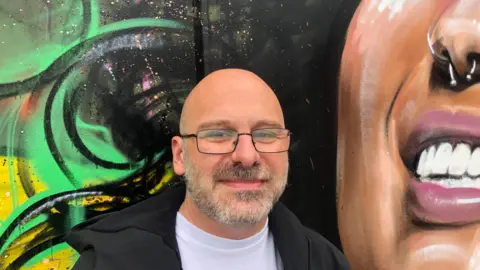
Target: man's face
{"x":234,"y":205}
{"x":239,"y":187}
{"x":408,"y":128}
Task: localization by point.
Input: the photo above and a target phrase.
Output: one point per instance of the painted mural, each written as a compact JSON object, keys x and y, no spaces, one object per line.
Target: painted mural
{"x":409,"y":176}
{"x":89,"y":95}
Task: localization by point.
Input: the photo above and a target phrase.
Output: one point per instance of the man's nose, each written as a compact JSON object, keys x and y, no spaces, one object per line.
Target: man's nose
{"x":458,"y":32}
{"x":245,"y":153}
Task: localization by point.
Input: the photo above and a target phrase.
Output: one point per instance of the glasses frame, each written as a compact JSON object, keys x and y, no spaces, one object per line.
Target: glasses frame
{"x":195,"y":135}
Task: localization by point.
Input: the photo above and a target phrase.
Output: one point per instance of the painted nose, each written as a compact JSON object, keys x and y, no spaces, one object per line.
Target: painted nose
{"x":456,"y":38}
{"x":245,"y":153}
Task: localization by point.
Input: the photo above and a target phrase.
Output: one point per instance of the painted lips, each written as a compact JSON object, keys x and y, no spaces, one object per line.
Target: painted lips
{"x":442,"y":153}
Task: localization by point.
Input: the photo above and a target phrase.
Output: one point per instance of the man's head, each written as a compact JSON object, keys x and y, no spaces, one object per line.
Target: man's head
{"x":409,"y":110}
{"x":229,"y":177}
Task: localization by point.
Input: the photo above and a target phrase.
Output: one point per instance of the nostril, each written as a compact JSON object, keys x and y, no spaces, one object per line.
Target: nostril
{"x":443,"y":69}
{"x":445,"y":75}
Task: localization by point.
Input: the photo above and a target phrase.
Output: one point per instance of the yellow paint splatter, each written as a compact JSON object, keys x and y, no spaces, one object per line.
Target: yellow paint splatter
{"x":6,"y":205}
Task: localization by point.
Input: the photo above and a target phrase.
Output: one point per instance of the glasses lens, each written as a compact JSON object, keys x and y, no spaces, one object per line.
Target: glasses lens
{"x":271,"y":140}
{"x":216,"y":141}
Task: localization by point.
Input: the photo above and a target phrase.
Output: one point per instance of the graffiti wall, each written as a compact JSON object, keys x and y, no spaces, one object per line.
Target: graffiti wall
{"x":408,"y":162}
{"x":91,"y":90}
{"x":89,"y":94}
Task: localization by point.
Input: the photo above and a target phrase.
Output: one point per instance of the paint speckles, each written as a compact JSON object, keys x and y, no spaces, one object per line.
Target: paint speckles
{"x":51,"y":203}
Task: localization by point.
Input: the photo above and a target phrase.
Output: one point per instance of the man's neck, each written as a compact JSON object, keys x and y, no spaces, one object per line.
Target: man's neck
{"x":195,"y":216}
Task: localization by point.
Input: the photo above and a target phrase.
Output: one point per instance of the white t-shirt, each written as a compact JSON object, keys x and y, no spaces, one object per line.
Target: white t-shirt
{"x":200,"y":250}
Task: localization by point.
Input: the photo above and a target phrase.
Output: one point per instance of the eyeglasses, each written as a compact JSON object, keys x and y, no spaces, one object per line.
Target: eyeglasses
{"x":225,"y":141}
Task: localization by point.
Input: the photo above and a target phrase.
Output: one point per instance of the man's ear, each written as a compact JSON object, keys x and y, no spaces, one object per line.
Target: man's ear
{"x":178,"y":164}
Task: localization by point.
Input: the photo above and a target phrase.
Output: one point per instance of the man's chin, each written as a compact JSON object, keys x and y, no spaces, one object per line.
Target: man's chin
{"x":246,"y":211}
{"x":256,"y":207}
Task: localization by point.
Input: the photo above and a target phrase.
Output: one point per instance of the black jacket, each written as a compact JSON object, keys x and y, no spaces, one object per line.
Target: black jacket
{"x":142,"y":237}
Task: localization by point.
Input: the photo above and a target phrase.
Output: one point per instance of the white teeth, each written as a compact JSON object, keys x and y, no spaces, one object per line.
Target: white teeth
{"x":465,"y":182}
{"x":474,"y":165}
{"x":427,"y":167}
{"x":443,"y":159}
{"x":421,"y":163}
{"x":460,"y":158}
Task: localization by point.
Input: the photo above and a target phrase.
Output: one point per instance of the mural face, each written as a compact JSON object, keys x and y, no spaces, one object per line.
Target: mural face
{"x":408,"y":177}
{"x":89,"y":96}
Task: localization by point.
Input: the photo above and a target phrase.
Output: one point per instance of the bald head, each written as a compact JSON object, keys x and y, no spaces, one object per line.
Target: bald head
{"x":224,"y":105}
{"x":230,"y":92}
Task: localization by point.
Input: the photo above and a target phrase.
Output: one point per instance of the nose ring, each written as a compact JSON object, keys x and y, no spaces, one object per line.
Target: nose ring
{"x":472,"y":70}
{"x":451,"y":71}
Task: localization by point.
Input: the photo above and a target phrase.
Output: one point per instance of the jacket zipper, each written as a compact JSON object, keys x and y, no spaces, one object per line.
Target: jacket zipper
{"x":309,"y":241}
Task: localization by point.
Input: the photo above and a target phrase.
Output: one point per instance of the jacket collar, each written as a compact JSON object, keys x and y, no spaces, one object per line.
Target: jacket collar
{"x":290,"y":239}
{"x":158,"y":215}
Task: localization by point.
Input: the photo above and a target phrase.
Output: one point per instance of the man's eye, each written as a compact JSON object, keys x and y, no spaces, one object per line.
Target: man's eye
{"x":268,"y":133}
{"x":217,"y":134}
{"x":265,"y":134}
{"x":214,"y":134}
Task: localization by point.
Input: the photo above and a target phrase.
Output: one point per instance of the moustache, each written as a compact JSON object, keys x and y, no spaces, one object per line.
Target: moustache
{"x":237,"y":172}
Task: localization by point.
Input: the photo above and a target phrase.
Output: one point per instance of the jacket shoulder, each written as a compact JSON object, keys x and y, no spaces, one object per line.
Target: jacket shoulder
{"x":325,"y":255}
{"x":86,"y":261}
{"x":130,"y":248}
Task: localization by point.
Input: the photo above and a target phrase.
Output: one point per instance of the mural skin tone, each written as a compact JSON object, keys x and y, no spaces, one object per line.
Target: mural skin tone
{"x":409,"y":119}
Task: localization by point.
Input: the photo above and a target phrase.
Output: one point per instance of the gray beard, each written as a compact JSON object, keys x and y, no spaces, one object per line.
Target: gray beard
{"x":223,"y":210}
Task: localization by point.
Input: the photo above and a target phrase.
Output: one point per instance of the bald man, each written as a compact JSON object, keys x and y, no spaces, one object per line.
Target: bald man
{"x":232,"y":152}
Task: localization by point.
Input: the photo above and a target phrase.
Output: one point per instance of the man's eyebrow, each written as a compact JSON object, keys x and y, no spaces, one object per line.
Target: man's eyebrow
{"x":228,"y":124}
{"x":215,"y":124}
{"x":267,"y":124}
